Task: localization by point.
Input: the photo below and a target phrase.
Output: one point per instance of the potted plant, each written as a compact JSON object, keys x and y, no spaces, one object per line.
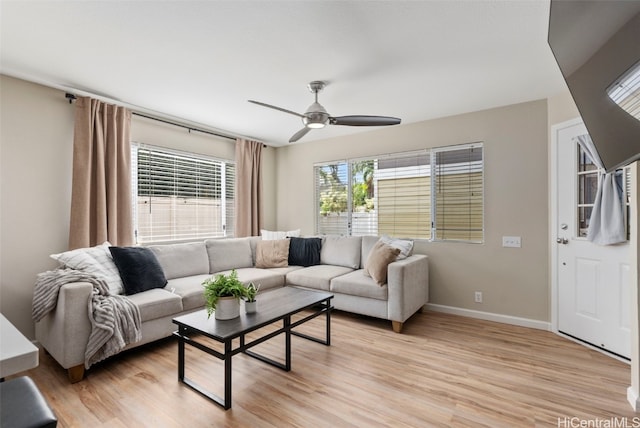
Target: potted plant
{"x":250,"y":299}
{"x":222,"y":295}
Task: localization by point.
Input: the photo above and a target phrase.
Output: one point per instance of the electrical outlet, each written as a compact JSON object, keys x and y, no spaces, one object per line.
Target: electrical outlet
{"x":478,"y":296}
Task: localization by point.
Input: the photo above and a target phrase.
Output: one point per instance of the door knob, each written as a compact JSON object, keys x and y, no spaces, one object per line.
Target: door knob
{"x":562,"y":241}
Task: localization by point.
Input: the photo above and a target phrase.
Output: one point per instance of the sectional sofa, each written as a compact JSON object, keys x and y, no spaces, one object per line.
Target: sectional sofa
{"x":338,"y":267}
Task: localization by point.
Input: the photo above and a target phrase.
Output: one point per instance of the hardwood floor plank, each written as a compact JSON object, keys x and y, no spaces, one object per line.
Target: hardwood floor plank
{"x":442,"y":371}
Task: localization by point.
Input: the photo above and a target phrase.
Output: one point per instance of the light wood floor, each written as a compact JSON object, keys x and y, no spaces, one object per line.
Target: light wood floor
{"x":443,"y":370}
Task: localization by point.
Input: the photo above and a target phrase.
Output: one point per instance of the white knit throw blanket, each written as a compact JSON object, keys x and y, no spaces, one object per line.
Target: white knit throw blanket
{"x":115,"y":320}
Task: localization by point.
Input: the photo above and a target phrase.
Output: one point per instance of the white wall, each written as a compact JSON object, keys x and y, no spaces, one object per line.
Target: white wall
{"x":514,"y":281}
{"x":36,"y":149}
{"x":36,"y":146}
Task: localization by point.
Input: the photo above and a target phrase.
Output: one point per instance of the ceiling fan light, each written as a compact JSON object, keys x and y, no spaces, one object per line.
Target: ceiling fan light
{"x":315,"y":119}
{"x":315,"y":125}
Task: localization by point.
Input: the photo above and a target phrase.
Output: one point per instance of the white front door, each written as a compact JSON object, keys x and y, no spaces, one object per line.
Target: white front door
{"x":592,"y":281}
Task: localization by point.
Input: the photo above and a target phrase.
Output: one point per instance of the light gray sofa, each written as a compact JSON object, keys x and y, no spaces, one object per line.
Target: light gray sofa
{"x":64,"y":332}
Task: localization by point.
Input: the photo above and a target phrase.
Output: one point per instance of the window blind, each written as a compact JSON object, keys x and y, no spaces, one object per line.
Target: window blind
{"x":403,"y":200}
{"x":458,"y":193}
{"x":181,"y":196}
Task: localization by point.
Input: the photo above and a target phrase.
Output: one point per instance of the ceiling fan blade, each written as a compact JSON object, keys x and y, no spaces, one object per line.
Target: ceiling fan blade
{"x":276,"y":108}
{"x":301,"y":133}
{"x":364,"y":120}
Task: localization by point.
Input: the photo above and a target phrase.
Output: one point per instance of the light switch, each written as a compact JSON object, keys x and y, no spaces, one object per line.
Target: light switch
{"x":511,"y":241}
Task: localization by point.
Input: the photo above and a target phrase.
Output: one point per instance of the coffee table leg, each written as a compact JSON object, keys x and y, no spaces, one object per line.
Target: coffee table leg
{"x":227,"y":374}
{"x":287,"y":340}
{"x":181,"y":355}
{"x":328,"y":314}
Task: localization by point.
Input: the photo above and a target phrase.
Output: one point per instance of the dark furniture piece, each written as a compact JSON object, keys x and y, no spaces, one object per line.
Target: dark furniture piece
{"x":23,"y":406}
{"x":273,"y":306}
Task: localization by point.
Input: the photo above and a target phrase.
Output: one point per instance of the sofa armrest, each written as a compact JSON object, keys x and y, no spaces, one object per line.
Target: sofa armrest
{"x":408,"y":282}
{"x":64,"y":332}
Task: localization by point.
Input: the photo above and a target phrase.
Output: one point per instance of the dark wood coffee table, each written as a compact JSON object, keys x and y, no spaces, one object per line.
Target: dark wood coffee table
{"x":273,"y":306}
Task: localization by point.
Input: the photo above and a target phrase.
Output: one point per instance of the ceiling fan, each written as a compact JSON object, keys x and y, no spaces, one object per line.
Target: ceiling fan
{"x":317,"y":117}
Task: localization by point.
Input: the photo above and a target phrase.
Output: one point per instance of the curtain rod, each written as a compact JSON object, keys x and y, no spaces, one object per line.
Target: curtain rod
{"x":72,"y":97}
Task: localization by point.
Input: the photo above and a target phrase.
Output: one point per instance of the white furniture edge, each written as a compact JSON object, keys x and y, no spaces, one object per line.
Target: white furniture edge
{"x":17,"y":353}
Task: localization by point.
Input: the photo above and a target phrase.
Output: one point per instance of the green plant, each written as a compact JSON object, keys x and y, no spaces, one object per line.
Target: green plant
{"x":222,"y":286}
{"x":252,"y":290}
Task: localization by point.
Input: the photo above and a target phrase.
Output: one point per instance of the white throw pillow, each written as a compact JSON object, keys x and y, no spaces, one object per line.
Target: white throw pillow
{"x":405,"y":246}
{"x":96,"y":261}
{"x":268,"y":235}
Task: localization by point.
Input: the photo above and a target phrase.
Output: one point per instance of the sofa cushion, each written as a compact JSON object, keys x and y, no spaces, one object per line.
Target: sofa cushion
{"x":180,"y":260}
{"x":96,"y":261}
{"x":379,"y":258}
{"x":305,"y":251}
{"x":357,"y":283}
{"x":190,"y":289}
{"x":405,"y":246}
{"x":227,"y":254}
{"x":266,"y":278}
{"x":269,"y":235}
{"x":272,"y":253}
{"x":368,"y":241}
{"x":341,"y":251}
{"x":156,"y":303}
{"x":139,"y":269}
{"x":318,"y":277}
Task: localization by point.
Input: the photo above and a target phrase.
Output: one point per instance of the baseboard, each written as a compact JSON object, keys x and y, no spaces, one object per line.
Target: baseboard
{"x":633,"y":399}
{"x":488,"y":316}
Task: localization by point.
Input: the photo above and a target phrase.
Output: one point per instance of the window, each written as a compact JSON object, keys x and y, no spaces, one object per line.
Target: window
{"x":181,"y":196}
{"x":430,"y":194}
{"x":588,"y":173}
{"x":588,"y":177}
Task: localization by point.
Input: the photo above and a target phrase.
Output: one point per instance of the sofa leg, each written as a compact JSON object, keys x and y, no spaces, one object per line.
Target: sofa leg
{"x":75,"y":373}
{"x":397,"y":326}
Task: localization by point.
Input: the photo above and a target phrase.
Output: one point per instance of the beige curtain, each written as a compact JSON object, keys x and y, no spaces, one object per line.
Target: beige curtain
{"x":101,"y":189}
{"x":248,"y":188}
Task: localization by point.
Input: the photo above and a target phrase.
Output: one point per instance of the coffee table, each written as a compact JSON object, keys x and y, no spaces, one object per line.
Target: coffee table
{"x":273,"y":306}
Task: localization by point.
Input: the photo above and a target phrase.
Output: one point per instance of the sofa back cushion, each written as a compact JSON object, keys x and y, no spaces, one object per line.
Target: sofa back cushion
{"x":227,"y":254}
{"x":367,"y":244}
{"x":341,"y":251}
{"x":180,"y":260}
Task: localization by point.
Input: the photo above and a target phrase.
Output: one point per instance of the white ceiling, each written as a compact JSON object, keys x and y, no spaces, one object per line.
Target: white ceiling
{"x":200,"y":61}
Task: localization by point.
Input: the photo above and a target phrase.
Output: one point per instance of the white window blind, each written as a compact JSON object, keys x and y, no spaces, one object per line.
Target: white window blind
{"x":458,"y":193}
{"x":181,"y":196}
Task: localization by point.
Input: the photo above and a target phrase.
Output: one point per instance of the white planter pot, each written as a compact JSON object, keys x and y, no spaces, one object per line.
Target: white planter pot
{"x":250,"y":307}
{"x":227,"y":308}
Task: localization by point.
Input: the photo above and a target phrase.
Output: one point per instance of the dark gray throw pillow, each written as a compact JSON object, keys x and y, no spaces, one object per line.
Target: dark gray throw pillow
{"x":304,"y":251}
{"x":139,"y":269}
